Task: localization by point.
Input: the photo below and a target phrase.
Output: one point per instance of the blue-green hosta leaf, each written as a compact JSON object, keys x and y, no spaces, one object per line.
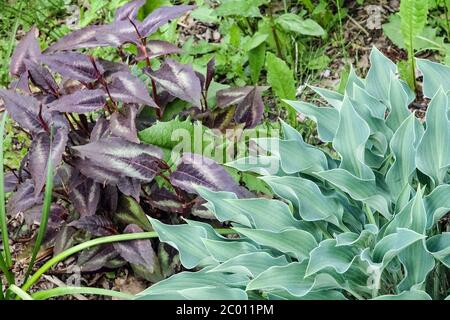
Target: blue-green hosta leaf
{"x":437,"y":204}
{"x":291,"y":278}
{"x":173,"y":287}
{"x":222,"y":251}
{"x":379,"y":76}
{"x":418,"y":263}
{"x":403,"y":147}
{"x":329,"y":255}
{"x":210,"y":232}
{"x":262,"y":165}
{"x":251,"y":264}
{"x":435,"y":75}
{"x":318,"y":295}
{"x":332,"y":97}
{"x":307,"y":198}
{"x":187,"y":240}
{"x":433,"y":152}
{"x":324,"y":117}
{"x":295,"y":156}
{"x":352,"y":81}
{"x":375,"y":107}
{"x":398,"y":104}
{"x":354,"y":239}
{"x":439,"y":247}
{"x":406,"y":295}
{"x":362,"y":190}
{"x":294,"y":242}
{"x":351,"y":137}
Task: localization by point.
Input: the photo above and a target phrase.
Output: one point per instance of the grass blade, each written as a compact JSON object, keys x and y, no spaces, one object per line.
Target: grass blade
{"x":45,"y":211}
{"x":3,"y":221}
{"x":20,"y":293}
{"x":61,"y":291}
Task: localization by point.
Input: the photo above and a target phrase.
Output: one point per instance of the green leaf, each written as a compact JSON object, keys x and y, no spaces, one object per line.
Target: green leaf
{"x":130,"y":212}
{"x":280,"y":77}
{"x":413,"y":15}
{"x":295,"y":243}
{"x":240,"y":8}
{"x":294,"y":23}
{"x":433,"y":152}
{"x":256,"y":60}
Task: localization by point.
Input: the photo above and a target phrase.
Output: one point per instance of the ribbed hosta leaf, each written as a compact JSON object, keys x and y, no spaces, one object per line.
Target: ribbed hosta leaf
{"x":439,"y":247}
{"x":187,"y":240}
{"x":128,"y":88}
{"x":398,"y":103}
{"x":333,"y":98}
{"x":324,"y":117}
{"x":406,"y":295}
{"x":295,"y":243}
{"x":433,"y":152}
{"x":251,"y":264}
{"x":222,"y":251}
{"x":179,"y":80}
{"x":28,"y":48}
{"x":82,"y":101}
{"x":379,"y":75}
{"x":437,"y":204}
{"x":435,"y":75}
{"x":73,"y":65}
{"x":126,"y":158}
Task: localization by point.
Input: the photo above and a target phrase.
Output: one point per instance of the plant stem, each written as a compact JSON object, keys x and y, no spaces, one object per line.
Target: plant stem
{"x":9,"y":276}
{"x":45,"y":211}
{"x":3,"y":221}
{"x":61,"y":291}
{"x":2,"y":296}
{"x":19,"y":292}
{"x":95,"y":242}
{"x":369,"y":215}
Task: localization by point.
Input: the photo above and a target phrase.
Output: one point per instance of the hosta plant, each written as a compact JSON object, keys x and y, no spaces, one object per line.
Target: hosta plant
{"x":82,"y":114}
{"x":362,"y":219}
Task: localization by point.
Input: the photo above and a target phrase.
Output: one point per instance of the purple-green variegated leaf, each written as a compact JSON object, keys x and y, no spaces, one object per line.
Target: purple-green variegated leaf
{"x":128,"y":159}
{"x":23,"y":109}
{"x":85,"y":197}
{"x":64,"y":239}
{"x":129,"y":10}
{"x":73,"y":65}
{"x":195,"y":170}
{"x":96,"y":225}
{"x":21,"y":83}
{"x":28,"y":48}
{"x":82,"y":101}
{"x":232,"y":96}
{"x":87,"y":37}
{"x":95,"y":258}
{"x":97,"y":172}
{"x":166,"y":201}
{"x":110,"y":199}
{"x":251,"y":109}
{"x":39,"y":154}
{"x":120,"y":32}
{"x":157,"y":48}
{"x":122,"y":124}
{"x":23,"y":199}
{"x":100,"y":130}
{"x":128,"y":88}
{"x":11,"y":181}
{"x":41,"y":77}
{"x":111,"y":67}
{"x":179,"y":80}
{"x":160,"y":17}
{"x":209,"y":73}
{"x":130,"y":187}
{"x":57,"y":216}
{"x":138,"y":252}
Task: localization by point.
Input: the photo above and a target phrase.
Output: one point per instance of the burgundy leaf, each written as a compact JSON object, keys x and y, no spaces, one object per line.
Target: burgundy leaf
{"x":23,"y":199}
{"x":179,"y":80}
{"x":110,"y":67}
{"x":21,"y":83}
{"x":128,"y":159}
{"x":250,"y":110}
{"x":194,"y":170}
{"x":157,"y":48}
{"x":28,"y":48}
{"x":23,"y":109}
{"x":160,"y":17}
{"x":57,"y":216}
{"x":87,"y":37}
{"x":232,"y":96}
{"x":64,"y":239}
{"x":79,"y":102}
{"x":41,"y":77}
{"x":120,"y":32}
{"x":209,"y":73}
{"x":85,"y":197}
{"x":100,"y":130}
{"x":129,"y":10}
{"x":96,"y":258}
{"x":123,"y":125}
{"x":128,"y":88}
{"x":165,"y":200}
{"x":73,"y":65}
{"x":98,"y":226}
{"x":39,"y":153}
{"x":138,"y":252}
{"x":110,"y":199}
{"x":130,"y":187}
{"x":11,"y":181}
{"x":97,"y":172}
